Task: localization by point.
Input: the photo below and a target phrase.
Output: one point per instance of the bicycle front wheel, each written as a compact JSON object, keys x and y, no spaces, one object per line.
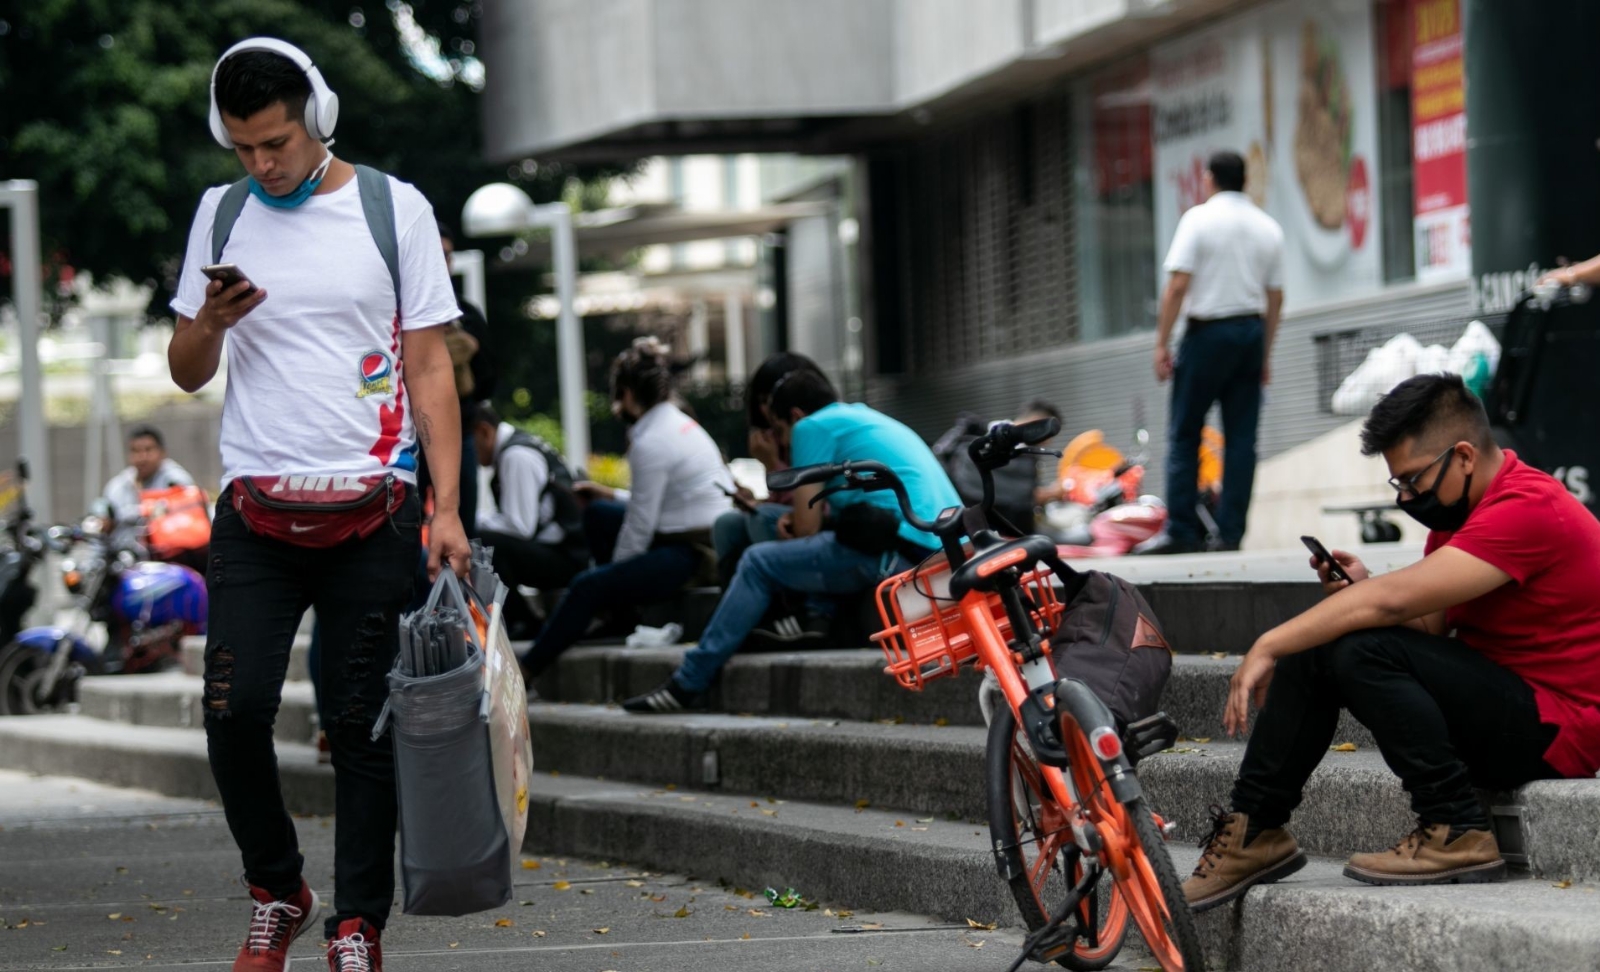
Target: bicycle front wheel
{"x":1033,"y":832}
{"x":1145,"y":876}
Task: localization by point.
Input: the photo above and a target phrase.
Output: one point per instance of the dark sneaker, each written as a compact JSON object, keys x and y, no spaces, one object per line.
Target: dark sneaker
{"x":274,"y":925}
{"x":1229,"y":866}
{"x":355,"y":948}
{"x":1428,"y":855}
{"x":787,"y":634}
{"x":667,"y":699}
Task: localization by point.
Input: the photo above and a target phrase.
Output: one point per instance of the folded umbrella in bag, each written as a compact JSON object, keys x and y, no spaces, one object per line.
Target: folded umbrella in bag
{"x":462,"y":754}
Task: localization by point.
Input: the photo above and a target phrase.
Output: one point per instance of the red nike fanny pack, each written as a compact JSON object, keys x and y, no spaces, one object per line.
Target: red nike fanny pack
{"x":317,"y":511}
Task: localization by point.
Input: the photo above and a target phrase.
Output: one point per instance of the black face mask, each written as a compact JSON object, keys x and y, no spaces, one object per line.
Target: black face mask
{"x":1427,"y":510}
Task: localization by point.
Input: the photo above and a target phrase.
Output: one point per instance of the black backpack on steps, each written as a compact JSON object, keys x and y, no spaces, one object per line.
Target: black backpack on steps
{"x":1109,"y":639}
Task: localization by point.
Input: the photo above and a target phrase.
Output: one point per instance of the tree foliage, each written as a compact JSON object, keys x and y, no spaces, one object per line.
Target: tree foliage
{"x":105,"y":105}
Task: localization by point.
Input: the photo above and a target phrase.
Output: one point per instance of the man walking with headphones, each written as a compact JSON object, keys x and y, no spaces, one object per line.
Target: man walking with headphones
{"x":329,"y":290}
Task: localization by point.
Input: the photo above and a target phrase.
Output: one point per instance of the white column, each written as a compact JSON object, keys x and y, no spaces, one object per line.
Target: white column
{"x":569,"y":332}
{"x":699,"y":340}
{"x":733,"y":337}
{"x":22,"y":197}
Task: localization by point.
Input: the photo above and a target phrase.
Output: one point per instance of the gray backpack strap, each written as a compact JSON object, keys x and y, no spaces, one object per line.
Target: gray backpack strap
{"x":227,"y":214}
{"x":377,"y":202}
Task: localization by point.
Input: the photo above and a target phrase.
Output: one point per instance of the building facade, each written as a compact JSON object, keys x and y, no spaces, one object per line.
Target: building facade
{"x":1020,"y":166}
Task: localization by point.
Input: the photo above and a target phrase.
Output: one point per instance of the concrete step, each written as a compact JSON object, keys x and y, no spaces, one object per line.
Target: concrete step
{"x":194,"y":655}
{"x":176,"y":700}
{"x":1315,"y":921}
{"x":167,"y":760}
{"x":886,"y":860}
{"x":849,"y":683}
{"x":1352,"y":803}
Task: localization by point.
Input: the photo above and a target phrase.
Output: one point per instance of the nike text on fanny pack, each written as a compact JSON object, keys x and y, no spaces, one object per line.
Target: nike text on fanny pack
{"x":335,"y":484}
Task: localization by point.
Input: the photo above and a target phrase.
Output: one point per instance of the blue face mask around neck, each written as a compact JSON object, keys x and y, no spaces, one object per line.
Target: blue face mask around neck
{"x":301,"y":192}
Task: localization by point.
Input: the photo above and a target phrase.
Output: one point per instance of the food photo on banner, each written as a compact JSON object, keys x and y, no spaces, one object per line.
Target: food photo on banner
{"x":1291,"y":87}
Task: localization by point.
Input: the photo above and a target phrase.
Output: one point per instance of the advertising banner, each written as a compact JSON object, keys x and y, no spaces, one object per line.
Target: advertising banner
{"x":1291,"y":87}
{"x":1439,"y":141}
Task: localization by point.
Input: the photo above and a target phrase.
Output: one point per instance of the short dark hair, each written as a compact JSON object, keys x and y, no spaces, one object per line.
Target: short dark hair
{"x":807,"y":390}
{"x":251,"y":81}
{"x":1436,"y":410}
{"x":485,"y":414}
{"x":765,"y":377}
{"x":1041,"y":407}
{"x":645,"y":370}
{"x":1227,"y":171}
{"x":445,"y":232}
{"x":146,"y":432}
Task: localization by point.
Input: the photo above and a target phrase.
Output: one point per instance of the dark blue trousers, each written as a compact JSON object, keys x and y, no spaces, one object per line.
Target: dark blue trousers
{"x":1218,"y":362}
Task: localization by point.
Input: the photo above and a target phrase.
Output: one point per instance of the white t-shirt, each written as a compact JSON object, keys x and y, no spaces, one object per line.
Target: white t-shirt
{"x":315,"y":382}
{"x":523,"y":503}
{"x":678,"y":480}
{"x":1235,"y":253}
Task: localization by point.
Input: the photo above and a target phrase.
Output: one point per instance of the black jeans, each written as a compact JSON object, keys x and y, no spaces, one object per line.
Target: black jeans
{"x":259,"y":589}
{"x":529,"y":563}
{"x":1446,"y":719}
{"x":1218,"y":363}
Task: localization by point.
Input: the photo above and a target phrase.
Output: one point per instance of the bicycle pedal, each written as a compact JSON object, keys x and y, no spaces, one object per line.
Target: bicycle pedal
{"x":1150,"y":735}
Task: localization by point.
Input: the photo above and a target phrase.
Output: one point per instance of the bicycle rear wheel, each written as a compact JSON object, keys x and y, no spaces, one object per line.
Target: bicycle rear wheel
{"x":1033,"y":832}
{"x":1145,"y":876}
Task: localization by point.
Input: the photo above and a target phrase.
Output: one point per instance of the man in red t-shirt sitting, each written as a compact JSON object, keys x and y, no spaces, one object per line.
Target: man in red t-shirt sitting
{"x":1512,"y":695}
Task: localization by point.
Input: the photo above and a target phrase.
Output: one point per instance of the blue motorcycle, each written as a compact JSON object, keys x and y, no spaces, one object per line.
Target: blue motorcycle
{"x":126,"y":614}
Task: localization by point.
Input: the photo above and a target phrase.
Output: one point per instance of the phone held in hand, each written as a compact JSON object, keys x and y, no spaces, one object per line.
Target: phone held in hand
{"x":228,"y":274}
{"x":1320,"y":552}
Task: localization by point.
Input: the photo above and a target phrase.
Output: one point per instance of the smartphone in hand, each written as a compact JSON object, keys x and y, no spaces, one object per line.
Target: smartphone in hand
{"x":1320,"y":552}
{"x":743,"y":504}
{"x":228,"y":274}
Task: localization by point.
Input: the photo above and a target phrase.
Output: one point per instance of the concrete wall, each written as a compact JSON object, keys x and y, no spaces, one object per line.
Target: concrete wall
{"x":939,"y":44}
{"x":722,"y":58}
{"x":1056,"y":21}
{"x":564,"y":71}
{"x":561,"y":71}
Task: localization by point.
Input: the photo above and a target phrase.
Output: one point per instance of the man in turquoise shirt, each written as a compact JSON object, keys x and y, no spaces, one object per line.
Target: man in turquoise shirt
{"x":818,"y":428}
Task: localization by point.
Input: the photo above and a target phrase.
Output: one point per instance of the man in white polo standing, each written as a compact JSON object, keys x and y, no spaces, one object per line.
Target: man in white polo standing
{"x":1225,"y":276}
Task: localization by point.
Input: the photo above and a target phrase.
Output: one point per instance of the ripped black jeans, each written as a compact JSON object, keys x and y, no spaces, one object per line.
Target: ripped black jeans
{"x":259,"y":589}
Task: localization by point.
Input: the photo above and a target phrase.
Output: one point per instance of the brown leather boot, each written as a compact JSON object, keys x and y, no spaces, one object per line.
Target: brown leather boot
{"x":1229,"y":867}
{"x":1427,"y":855}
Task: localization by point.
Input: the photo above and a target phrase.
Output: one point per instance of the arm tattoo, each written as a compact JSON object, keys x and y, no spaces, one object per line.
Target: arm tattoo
{"x":425,"y":429}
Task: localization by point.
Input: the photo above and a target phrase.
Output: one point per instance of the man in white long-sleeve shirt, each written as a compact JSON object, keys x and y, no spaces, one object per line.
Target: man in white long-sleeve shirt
{"x":537,"y":529}
{"x":680,"y":487}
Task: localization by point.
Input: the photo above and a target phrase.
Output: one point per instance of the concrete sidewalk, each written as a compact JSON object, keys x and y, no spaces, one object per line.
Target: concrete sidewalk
{"x":98,"y":877}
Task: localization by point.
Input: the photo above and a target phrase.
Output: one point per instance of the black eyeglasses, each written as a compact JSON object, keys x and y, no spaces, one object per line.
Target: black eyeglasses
{"x":1409,"y":484}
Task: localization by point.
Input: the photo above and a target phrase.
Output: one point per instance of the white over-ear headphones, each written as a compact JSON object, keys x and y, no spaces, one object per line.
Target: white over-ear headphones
{"x":322,"y":108}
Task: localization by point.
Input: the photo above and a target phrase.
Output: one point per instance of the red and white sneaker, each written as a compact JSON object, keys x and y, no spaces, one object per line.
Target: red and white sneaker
{"x":274,"y":925}
{"x":355,"y":948}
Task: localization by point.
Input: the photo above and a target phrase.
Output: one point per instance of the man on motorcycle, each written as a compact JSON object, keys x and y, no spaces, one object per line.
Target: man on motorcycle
{"x":1512,"y":695}
{"x":328,"y":284}
{"x":148,"y":468}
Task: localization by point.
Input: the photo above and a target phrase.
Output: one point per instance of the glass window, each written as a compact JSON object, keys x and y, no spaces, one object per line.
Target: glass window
{"x":1116,"y":202}
{"x":1395,"y":179}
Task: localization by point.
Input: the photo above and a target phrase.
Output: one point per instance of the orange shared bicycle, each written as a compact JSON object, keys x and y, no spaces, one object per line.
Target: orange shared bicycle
{"x":1065,"y":805}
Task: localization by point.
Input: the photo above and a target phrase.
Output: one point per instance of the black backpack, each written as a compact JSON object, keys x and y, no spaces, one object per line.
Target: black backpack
{"x":1109,"y":639}
{"x":557,"y":486}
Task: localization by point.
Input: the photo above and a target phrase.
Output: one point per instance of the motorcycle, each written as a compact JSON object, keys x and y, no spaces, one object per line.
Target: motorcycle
{"x":1101,"y":511}
{"x":126,"y":615}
